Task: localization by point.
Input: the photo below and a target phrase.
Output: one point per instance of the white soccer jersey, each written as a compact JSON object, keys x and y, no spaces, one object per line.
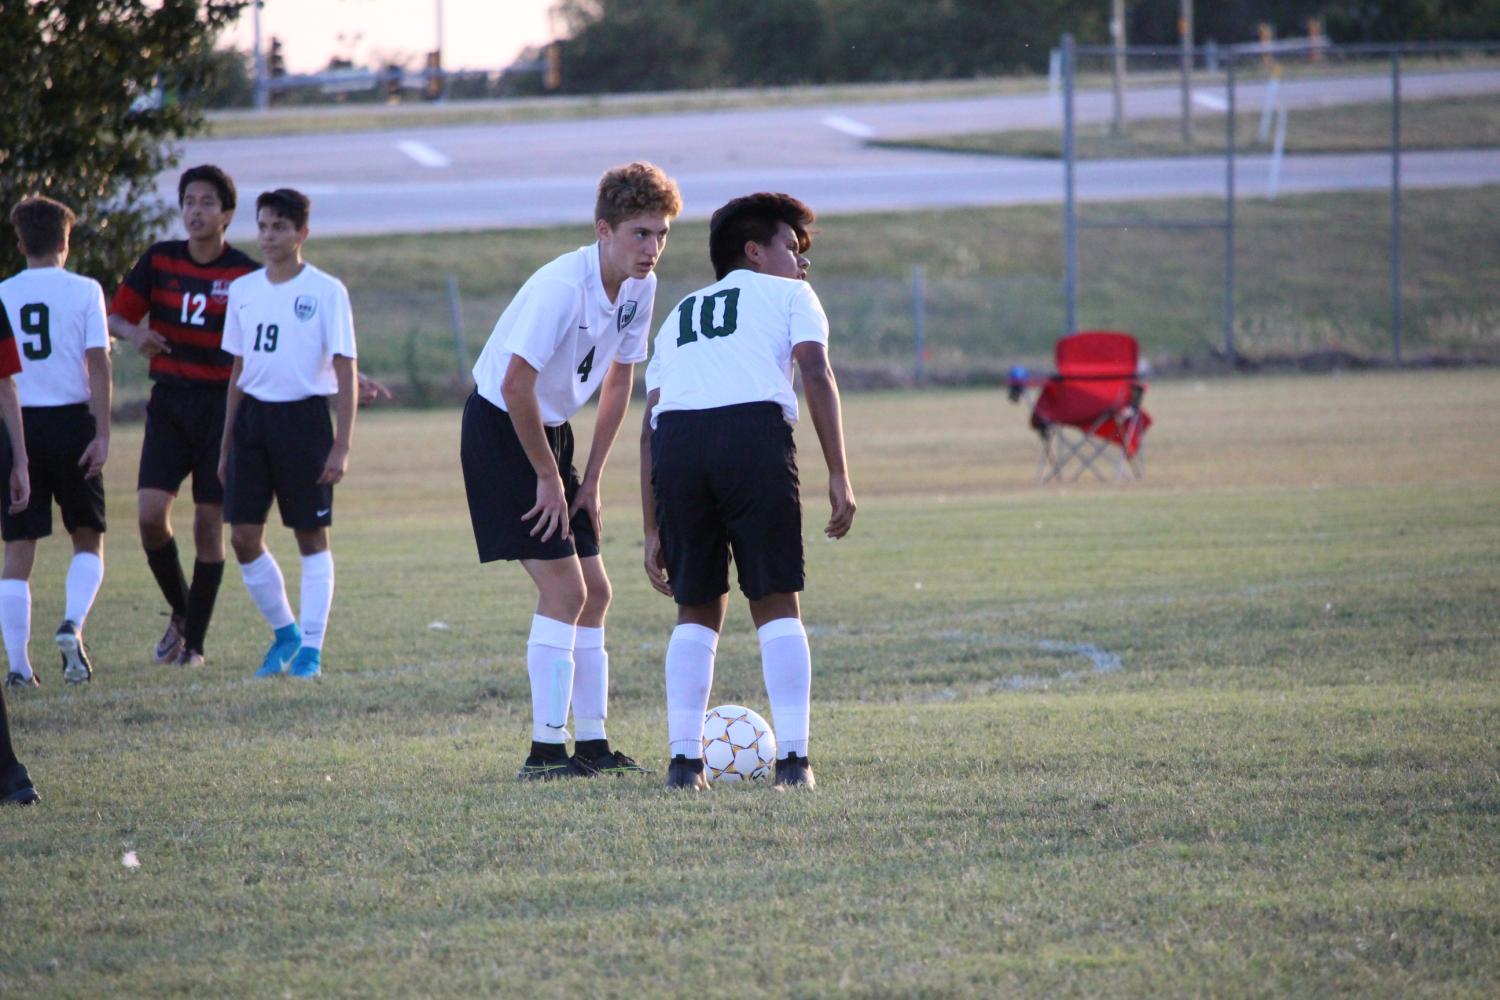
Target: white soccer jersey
{"x":563,"y":325}
{"x":57,"y":316}
{"x":732,"y":343}
{"x":287,"y":334}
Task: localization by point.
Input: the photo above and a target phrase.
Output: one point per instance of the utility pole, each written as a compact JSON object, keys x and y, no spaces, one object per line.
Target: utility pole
{"x":262,"y":93}
{"x":1185,"y":31}
{"x":1117,"y":34}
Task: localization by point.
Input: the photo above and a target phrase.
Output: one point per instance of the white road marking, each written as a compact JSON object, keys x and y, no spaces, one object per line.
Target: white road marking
{"x":1211,"y":101}
{"x":423,"y":153}
{"x":848,"y":126}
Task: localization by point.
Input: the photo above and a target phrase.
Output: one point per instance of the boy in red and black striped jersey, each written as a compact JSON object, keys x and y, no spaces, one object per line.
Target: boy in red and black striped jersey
{"x":171,"y":307}
{"x":15,"y":783}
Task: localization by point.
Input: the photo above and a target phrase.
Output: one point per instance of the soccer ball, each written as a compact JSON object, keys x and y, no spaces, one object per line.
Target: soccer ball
{"x":737,"y":744}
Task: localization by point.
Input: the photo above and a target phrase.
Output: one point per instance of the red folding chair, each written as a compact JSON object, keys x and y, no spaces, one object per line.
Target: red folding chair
{"x":1091,"y":407}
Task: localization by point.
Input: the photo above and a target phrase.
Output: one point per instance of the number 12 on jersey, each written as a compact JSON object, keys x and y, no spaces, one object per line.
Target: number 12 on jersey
{"x":723,"y":306}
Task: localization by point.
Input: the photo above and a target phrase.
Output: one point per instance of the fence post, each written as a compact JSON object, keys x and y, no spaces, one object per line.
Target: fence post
{"x":455,"y":317}
{"x":919,"y":320}
{"x":1396,"y":204}
{"x":1229,"y":157}
{"x":1070,"y":209}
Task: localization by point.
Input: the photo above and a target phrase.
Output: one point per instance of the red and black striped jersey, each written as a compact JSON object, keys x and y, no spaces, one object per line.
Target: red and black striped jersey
{"x":185,"y":301}
{"x":10,"y":358}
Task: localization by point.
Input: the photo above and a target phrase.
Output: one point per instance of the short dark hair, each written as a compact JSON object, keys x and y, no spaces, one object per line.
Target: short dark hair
{"x":209,"y":174}
{"x":42,"y":223}
{"x":290,"y":204}
{"x":754,"y":217}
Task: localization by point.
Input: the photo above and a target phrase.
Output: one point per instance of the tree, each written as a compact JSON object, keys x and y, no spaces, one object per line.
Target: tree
{"x":96,"y":91}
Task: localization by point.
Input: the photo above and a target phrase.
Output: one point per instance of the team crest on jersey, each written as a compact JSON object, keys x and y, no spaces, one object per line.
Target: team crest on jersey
{"x":220,"y":290}
{"x":627,"y":313}
{"x":305,"y":307}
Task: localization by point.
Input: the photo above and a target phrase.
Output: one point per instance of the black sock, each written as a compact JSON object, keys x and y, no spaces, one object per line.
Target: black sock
{"x":167,"y":568}
{"x":549,"y":751}
{"x":7,"y":754}
{"x":200,"y":602}
{"x":693,"y":763}
{"x":591,"y":748}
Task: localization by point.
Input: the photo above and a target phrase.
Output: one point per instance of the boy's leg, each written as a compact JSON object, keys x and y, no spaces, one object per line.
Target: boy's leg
{"x":786,"y":664}
{"x":591,"y":677}
{"x":689,"y":679}
{"x":317,"y":600}
{"x":15,"y":610}
{"x":549,"y":665}
{"x":208,"y":574}
{"x":267,"y":588}
{"x":85,"y":574}
{"x":15,"y":783}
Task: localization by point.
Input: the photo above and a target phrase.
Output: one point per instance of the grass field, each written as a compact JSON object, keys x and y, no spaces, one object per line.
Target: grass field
{"x":1229,"y":731}
{"x":1443,"y":123}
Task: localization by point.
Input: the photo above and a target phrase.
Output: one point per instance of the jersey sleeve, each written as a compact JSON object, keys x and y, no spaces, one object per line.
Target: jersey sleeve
{"x":340,"y":329}
{"x":233,"y":339}
{"x":637,"y":340}
{"x":10,"y":360}
{"x":95,"y":327}
{"x":133,"y":298}
{"x":546,"y":313}
{"x":807,"y":318}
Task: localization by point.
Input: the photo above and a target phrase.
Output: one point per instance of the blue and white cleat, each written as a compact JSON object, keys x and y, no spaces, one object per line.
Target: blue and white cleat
{"x":307,"y":663}
{"x":284,"y":646}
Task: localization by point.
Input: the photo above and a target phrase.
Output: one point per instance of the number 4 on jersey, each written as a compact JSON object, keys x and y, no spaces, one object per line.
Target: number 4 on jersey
{"x":586,"y":365}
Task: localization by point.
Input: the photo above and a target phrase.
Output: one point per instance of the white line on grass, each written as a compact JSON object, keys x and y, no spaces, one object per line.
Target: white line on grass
{"x":423,"y":153}
{"x":849,"y":126}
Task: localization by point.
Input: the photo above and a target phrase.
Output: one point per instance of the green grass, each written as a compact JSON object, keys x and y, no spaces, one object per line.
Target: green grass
{"x":1312,"y":276}
{"x":1289,"y":786}
{"x":1443,"y":123}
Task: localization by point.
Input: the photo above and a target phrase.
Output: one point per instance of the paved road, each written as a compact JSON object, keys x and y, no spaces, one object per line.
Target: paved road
{"x":542,"y":173}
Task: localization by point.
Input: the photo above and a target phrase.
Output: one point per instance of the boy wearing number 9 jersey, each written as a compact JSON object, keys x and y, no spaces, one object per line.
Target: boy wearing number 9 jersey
{"x":64,"y":390}
{"x":719,"y":469}
{"x":290,"y":330}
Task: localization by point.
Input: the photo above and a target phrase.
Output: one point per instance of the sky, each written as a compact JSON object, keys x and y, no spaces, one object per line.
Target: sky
{"x":477,"y":34}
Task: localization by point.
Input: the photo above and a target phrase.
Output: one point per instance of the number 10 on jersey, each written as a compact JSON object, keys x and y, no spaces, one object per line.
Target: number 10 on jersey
{"x":688,"y":331}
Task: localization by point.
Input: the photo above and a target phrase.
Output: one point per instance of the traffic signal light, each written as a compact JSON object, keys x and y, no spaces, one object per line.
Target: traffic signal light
{"x":275,"y":61}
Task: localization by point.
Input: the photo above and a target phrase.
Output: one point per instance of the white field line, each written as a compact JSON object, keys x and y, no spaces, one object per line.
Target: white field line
{"x":849,"y":126}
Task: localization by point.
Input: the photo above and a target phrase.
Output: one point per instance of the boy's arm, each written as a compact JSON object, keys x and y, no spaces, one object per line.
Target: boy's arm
{"x":518,"y":387}
{"x":20,"y":465}
{"x":346,"y":402}
{"x":231,"y":407}
{"x":656,"y":570}
{"x":100,"y":399}
{"x":822,"y":393}
{"x":614,"y":400}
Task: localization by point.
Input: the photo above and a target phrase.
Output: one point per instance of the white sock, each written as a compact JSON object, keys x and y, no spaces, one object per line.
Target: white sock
{"x":549,"y":662}
{"x":690,"y":676}
{"x":786,"y":663}
{"x":317,"y":597}
{"x":590,"y":684}
{"x":85,"y":573}
{"x":267,"y":589}
{"x":15,"y":623}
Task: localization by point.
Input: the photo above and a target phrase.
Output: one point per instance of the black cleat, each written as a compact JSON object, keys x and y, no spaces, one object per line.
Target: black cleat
{"x":598,"y":755}
{"x":15,"y":680}
{"x":538,"y":768}
{"x":685,"y":772}
{"x":75,"y":659}
{"x":16,"y":787}
{"x":792,"y":770}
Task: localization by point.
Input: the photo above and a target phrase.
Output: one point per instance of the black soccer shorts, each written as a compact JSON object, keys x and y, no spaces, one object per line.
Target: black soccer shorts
{"x":55,"y":439}
{"x":184,"y":432}
{"x":725,"y":481}
{"x":280,"y":449}
{"x":501,"y":486}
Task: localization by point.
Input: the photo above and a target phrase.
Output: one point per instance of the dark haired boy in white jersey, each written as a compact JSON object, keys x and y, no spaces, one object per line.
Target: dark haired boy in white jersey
{"x":719,"y":470}
{"x":577,"y":326}
{"x":65,"y":397}
{"x":291,"y":332}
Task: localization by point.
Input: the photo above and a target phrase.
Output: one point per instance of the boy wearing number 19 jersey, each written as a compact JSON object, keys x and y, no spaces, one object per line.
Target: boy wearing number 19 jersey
{"x":291,"y":332}
{"x":64,"y":390}
{"x":577,"y":326}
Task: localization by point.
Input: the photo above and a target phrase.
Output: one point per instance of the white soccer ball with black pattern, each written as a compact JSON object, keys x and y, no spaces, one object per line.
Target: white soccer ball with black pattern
{"x":737,"y":744}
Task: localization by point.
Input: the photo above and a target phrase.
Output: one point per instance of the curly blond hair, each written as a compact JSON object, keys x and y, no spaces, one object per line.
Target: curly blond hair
{"x":634,"y":189}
